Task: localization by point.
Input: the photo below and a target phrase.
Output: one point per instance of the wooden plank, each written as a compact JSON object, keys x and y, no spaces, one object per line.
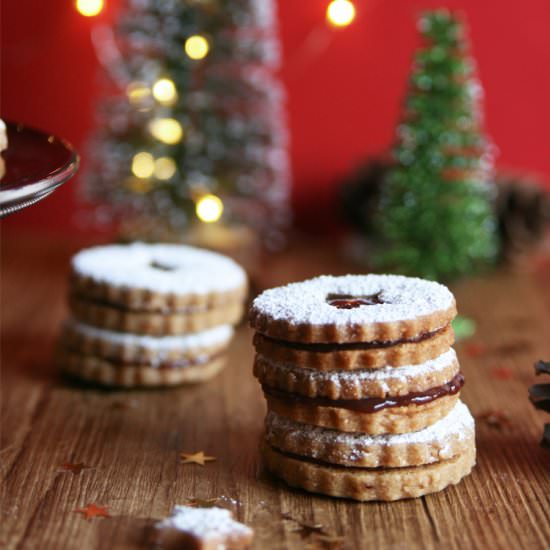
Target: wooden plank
{"x":131,"y":439}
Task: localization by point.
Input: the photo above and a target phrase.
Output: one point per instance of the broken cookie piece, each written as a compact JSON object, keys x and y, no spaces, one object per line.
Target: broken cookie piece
{"x":190,"y":528}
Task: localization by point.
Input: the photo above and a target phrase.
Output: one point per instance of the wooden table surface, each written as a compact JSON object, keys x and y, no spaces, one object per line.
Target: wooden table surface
{"x":131,"y":440}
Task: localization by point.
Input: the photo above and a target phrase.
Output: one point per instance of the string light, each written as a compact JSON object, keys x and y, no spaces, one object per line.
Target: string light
{"x":139,"y":95}
{"x":340,"y":13}
{"x":209,"y":208}
{"x":197,"y":47}
{"x":167,"y":130}
{"x":164,"y":91}
{"x":89,"y":8}
{"x":165,"y":168}
{"x":140,"y":186}
{"x":143,"y":165}
{"x":138,"y":92}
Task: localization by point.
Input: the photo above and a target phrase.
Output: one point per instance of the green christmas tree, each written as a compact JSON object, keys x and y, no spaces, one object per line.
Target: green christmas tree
{"x":435,"y":217}
{"x":193,"y":122}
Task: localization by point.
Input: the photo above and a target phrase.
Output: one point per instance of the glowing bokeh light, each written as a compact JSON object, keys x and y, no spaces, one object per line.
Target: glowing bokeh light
{"x":89,"y":8}
{"x":139,"y":186}
{"x":209,"y":208}
{"x":197,"y":47}
{"x":164,"y":91}
{"x":167,"y":130}
{"x":165,"y":168}
{"x":340,"y":13}
{"x":138,"y":92}
{"x":143,"y":165}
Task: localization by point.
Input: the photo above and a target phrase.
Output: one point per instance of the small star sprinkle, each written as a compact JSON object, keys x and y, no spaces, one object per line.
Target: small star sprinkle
{"x":314,"y":535}
{"x":325,"y":542}
{"x":202,"y":503}
{"x":497,"y":420}
{"x":474,"y":350}
{"x":75,"y":469}
{"x":93,"y":511}
{"x":196,"y":458}
{"x":502,"y":373}
{"x":305,"y":531}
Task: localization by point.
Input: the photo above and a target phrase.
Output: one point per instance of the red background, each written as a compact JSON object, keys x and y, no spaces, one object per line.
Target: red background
{"x":344,"y":86}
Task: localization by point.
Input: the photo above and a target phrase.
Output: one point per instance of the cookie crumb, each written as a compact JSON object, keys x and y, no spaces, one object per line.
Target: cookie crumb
{"x":200,"y":529}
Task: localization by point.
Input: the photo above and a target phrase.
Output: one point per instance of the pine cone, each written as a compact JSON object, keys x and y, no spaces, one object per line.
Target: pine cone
{"x":539,"y":394}
{"x":360,"y":193}
{"x":523,"y":213}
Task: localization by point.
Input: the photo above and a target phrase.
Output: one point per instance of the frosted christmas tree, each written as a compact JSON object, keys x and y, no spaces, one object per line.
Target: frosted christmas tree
{"x":435,"y":215}
{"x":194,"y":130}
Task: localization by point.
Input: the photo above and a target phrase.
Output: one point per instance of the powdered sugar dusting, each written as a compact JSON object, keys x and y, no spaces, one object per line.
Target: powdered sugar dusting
{"x":198,"y":340}
{"x":191,"y":270}
{"x":459,"y":424}
{"x":385,"y":374}
{"x":211,"y":525}
{"x":404,"y":298}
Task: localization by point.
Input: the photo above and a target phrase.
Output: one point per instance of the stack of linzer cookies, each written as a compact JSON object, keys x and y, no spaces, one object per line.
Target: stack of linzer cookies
{"x":150,"y":314}
{"x":362,"y":386}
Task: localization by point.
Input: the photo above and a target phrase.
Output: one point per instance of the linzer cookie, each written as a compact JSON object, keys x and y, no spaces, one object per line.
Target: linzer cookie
{"x":156,"y":288}
{"x":155,"y":323}
{"x":378,"y":309}
{"x":374,"y":415}
{"x":125,"y":359}
{"x":357,"y":355}
{"x":157,"y":351}
{"x":156,"y":277}
{"x":150,"y":314}
{"x":362,"y":386}
{"x":452,"y":435}
{"x":366,"y":484}
{"x":395,"y":382}
{"x":101,"y":371}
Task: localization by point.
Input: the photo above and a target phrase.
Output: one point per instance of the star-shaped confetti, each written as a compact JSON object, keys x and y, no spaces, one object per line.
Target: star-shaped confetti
{"x":474,"y":350}
{"x":305,"y":530}
{"x":497,"y":420}
{"x":74,"y":468}
{"x":196,"y":458}
{"x":93,"y":511}
{"x":325,"y":542}
{"x":124,"y":405}
{"x":501,"y":373}
{"x":202,"y":502}
{"x":315,"y":535}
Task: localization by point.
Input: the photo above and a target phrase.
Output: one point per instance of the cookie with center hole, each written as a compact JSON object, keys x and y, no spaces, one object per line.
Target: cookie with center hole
{"x":353,"y":308}
{"x":156,"y":277}
{"x":156,"y":288}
